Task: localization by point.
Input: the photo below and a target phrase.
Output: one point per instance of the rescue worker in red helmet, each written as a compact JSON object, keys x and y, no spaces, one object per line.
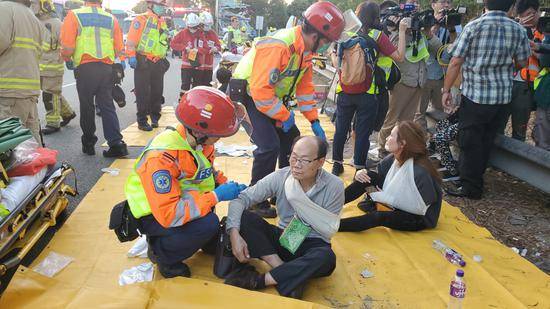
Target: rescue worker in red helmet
{"x":284,"y":74}
{"x":174,"y":186}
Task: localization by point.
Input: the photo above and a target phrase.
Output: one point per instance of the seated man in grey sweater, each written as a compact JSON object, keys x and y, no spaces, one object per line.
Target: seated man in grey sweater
{"x":309,"y":203}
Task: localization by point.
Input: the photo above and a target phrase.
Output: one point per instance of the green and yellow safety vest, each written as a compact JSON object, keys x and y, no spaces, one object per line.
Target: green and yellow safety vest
{"x":285,"y":79}
{"x":202,"y":180}
{"x":422,"y":47}
{"x":95,"y":34}
{"x":238,"y":38}
{"x":154,"y":38}
{"x":542,"y":73}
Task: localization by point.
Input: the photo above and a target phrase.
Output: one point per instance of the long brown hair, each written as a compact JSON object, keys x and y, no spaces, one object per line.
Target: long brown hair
{"x":414,"y":139}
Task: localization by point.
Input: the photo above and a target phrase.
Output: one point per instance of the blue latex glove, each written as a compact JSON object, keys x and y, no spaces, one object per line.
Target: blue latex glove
{"x":123,"y":63}
{"x":289,"y":123}
{"x":318,"y":130}
{"x":69,"y":65}
{"x":132,"y":61}
{"x":228,"y":191}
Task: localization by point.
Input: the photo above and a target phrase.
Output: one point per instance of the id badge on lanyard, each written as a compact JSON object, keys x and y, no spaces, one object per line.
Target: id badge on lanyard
{"x":294,"y":234}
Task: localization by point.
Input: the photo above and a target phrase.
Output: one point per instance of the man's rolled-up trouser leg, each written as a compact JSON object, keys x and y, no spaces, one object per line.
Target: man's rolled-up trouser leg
{"x":176,"y":244}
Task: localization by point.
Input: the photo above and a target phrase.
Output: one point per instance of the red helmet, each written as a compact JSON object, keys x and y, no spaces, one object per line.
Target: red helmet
{"x":208,"y":111}
{"x":326,"y":18}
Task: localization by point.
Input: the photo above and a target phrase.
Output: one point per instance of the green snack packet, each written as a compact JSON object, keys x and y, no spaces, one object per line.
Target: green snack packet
{"x":294,"y":235}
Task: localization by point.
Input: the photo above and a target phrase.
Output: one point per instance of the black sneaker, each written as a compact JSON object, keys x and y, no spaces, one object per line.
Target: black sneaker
{"x":264,"y":210}
{"x":88,"y":149}
{"x":66,"y":121}
{"x":116,"y":151}
{"x":145,"y":127}
{"x":447,"y":176}
{"x":461,"y":192}
{"x":176,"y":270}
{"x":49,"y":130}
{"x":337,"y":168}
{"x":154,"y":124}
{"x":367,"y":205}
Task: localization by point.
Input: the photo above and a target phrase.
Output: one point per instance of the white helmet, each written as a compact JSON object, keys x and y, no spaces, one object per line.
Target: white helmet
{"x":192,"y":20}
{"x":206,"y":19}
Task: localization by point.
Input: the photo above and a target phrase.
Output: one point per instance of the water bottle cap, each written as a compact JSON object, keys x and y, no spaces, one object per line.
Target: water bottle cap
{"x":460,"y":273}
{"x":462,"y":263}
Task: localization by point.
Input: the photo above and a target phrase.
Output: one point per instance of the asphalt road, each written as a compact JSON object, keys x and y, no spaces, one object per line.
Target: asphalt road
{"x":67,"y":140}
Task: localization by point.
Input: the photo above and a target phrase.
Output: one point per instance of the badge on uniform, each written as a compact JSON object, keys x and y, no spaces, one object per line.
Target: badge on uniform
{"x":162,"y":180}
{"x":274,"y":76}
{"x":136,"y":25}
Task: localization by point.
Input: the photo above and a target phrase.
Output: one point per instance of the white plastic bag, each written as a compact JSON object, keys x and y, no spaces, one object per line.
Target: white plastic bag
{"x":19,"y":188}
{"x":141,"y":273}
{"x":139,"y":249}
{"x":25,"y":152}
{"x":52,"y":264}
{"x":400,"y":191}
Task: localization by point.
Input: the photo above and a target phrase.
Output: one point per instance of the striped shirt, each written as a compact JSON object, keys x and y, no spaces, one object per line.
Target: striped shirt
{"x":489,"y":46}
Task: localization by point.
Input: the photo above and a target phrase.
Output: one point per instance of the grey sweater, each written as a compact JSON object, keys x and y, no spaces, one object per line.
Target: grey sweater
{"x":328,"y":193}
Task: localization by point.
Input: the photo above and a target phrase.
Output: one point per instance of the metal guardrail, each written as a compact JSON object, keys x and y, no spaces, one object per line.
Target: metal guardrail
{"x":526,"y":162}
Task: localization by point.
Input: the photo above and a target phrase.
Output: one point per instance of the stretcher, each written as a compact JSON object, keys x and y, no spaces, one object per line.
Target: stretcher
{"x":23,"y":227}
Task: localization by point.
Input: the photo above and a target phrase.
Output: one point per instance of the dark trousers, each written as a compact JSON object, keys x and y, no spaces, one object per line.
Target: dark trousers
{"x":149,"y":86}
{"x":477,"y":128}
{"x":272,"y":142}
{"x":94,"y":81}
{"x":383,"y":105}
{"x":365,"y":108}
{"x":191,"y":78}
{"x":519,"y":109}
{"x":397,"y":219}
{"x":176,"y":244}
{"x":206,"y":78}
{"x":313,"y":259}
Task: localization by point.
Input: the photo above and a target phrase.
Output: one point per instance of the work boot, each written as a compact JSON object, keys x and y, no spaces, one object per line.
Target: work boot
{"x":88,"y":149}
{"x":49,"y":130}
{"x":154,"y":124}
{"x":264,"y":210}
{"x":245,"y":277}
{"x":116,"y":151}
{"x":66,"y":121}
{"x":337,"y":168}
{"x":145,"y":127}
{"x":176,"y":270}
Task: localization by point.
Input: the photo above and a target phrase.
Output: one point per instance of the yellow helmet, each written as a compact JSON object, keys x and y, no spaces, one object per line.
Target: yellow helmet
{"x":42,"y":6}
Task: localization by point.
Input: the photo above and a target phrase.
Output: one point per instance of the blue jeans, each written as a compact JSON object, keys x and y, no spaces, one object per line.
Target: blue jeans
{"x":365,"y":108}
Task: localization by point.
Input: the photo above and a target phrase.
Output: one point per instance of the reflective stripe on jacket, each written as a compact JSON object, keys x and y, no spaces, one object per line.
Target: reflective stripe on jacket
{"x":95,"y":35}
{"x":271,"y":79}
{"x":173,"y":181}
{"x":21,"y":39}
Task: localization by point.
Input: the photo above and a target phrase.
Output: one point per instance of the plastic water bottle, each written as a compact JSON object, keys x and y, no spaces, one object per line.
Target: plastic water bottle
{"x":451,"y":255}
{"x":457,"y":291}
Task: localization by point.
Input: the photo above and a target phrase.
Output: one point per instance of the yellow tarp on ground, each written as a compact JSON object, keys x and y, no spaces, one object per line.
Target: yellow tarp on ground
{"x":407,"y":271}
{"x":135,"y":137}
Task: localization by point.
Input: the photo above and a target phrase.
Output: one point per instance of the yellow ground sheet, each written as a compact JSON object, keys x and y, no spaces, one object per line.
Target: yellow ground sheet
{"x":135,"y":137}
{"x":407,"y":272}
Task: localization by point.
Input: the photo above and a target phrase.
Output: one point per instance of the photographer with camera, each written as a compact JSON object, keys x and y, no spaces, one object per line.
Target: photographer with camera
{"x":486,"y":51}
{"x":420,"y":43}
{"x":446,"y":29}
{"x":522,"y":90}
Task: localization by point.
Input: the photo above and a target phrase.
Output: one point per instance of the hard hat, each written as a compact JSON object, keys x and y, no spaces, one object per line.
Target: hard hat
{"x":206,"y":18}
{"x":328,"y":20}
{"x":210,"y":112}
{"x":42,"y":6}
{"x":159,"y":2}
{"x":192,"y":20}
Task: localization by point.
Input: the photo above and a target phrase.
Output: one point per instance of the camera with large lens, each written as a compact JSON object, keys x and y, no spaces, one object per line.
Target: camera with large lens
{"x":402,"y":11}
{"x":422,"y":20}
{"x":451,"y":17}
